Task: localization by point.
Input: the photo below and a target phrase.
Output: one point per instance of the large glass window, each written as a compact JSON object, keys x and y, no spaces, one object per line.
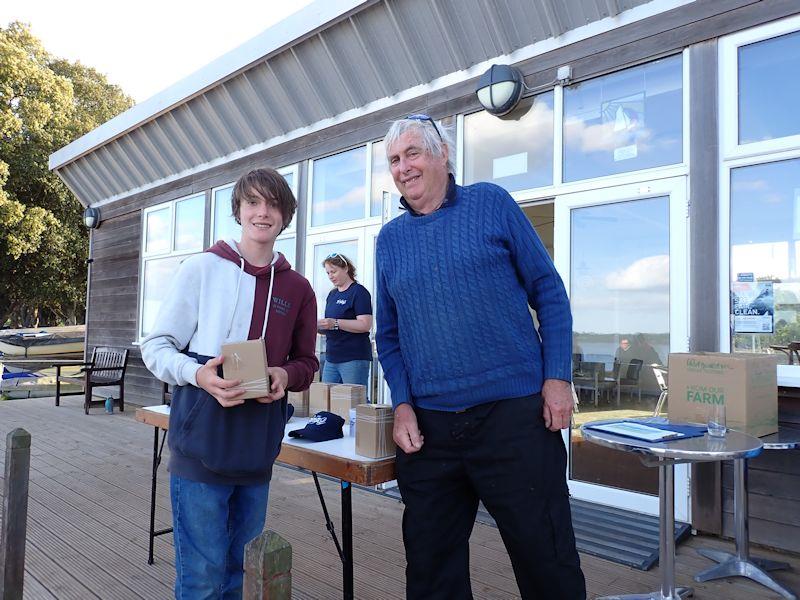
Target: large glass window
{"x":514,"y":151}
{"x":765,"y":255}
{"x":769,"y":89}
{"x":625,"y":121}
{"x":225,"y":226}
{"x":320,"y":282}
{"x":339,"y":187}
{"x":189,"y":219}
{"x":620,"y":296}
{"x":172,"y":231}
{"x":383,"y":187}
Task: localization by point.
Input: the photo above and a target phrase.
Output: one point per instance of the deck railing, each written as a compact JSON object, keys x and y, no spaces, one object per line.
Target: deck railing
{"x":15,"y":514}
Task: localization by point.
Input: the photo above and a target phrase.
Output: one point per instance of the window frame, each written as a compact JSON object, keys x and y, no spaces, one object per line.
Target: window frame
{"x":604,"y":181}
{"x":146,"y":257}
{"x":365,"y":218}
{"x":729,"y":91}
{"x":734,"y":155}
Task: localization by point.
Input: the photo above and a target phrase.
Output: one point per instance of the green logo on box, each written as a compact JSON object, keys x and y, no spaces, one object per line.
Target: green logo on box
{"x":704,"y":397}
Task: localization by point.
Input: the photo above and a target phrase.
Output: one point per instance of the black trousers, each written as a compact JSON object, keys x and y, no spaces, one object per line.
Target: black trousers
{"x":502,"y":454}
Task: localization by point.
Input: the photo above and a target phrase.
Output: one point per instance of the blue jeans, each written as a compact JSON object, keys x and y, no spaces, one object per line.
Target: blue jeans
{"x":353,"y":371}
{"x":212,"y":524}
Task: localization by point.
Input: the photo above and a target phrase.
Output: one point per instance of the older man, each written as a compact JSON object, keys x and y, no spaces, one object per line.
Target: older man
{"x":479,"y":394}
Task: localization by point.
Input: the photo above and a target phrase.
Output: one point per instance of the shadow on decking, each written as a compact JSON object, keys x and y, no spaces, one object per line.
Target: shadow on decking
{"x":89,"y":508}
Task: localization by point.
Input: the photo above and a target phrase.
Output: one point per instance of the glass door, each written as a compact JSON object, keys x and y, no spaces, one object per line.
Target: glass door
{"x":622,"y":254}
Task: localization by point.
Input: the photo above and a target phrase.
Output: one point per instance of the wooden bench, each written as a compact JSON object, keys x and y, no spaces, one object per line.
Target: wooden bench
{"x":107,"y":368}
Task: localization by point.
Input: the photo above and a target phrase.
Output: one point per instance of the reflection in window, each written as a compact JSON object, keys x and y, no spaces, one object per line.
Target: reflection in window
{"x":320,"y":282}
{"x":339,"y":187}
{"x":287,"y":247}
{"x":620,"y":279}
{"x":765,"y":242}
{"x":769,"y":89}
{"x":382,"y":183}
{"x":157,"y":231}
{"x":225,"y":226}
{"x":514,"y":151}
{"x":158,"y":273}
{"x":625,"y":121}
{"x":619,"y":291}
{"x":189,"y":218}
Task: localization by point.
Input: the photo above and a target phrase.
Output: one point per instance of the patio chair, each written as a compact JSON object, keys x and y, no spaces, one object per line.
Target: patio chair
{"x":589,"y":376}
{"x":661,"y":373}
{"x":106,"y":368}
{"x":629,"y":379}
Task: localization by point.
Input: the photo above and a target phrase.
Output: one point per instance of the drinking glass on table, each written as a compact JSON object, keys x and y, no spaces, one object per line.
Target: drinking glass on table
{"x":716,"y":420}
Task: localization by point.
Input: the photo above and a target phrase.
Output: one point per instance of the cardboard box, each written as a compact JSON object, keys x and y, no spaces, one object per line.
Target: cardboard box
{"x":346,"y":396}
{"x":746,"y":384}
{"x":374,"y":424}
{"x":319,"y":397}
{"x":247,"y":362}
{"x":300,"y":402}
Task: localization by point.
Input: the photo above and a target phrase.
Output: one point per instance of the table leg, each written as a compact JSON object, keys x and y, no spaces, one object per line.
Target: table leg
{"x":347,"y":540}
{"x":153,"y":484}
{"x":666,"y":542}
{"x":742,"y":564}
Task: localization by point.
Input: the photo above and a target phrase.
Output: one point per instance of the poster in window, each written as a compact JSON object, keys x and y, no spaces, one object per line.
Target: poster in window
{"x":624,"y":117}
{"x":752,"y":306}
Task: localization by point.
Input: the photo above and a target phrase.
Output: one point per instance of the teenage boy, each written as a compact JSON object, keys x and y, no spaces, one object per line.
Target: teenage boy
{"x":222,"y":447}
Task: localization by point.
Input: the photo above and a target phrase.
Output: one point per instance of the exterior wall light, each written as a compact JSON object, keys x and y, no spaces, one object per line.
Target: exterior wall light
{"x":500,"y":88}
{"x":91,"y":217}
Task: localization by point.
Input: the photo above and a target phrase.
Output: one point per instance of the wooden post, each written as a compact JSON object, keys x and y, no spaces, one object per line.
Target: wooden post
{"x":15,"y":514}
{"x":268,"y":568}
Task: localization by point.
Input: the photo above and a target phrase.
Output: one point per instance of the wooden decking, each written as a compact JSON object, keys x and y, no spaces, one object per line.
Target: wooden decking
{"x":88,"y":514}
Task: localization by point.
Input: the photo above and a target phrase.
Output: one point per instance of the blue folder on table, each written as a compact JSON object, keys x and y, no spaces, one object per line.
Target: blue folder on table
{"x":649,"y":431}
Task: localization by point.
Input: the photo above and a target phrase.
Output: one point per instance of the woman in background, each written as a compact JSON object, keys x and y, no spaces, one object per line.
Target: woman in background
{"x":347,"y":322}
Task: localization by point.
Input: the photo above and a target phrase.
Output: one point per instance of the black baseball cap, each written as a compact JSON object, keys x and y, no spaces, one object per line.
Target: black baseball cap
{"x":322,"y":427}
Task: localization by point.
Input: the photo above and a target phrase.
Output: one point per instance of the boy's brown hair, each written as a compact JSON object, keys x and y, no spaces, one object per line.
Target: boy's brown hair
{"x":272,"y":186}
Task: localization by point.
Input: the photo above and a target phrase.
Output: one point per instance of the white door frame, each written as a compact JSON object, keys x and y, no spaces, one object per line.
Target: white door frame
{"x":676,"y":189}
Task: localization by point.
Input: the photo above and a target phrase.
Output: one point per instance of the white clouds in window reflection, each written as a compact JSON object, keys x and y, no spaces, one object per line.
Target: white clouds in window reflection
{"x":605,"y":137}
{"x":349,"y":205}
{"x":648,"y":273}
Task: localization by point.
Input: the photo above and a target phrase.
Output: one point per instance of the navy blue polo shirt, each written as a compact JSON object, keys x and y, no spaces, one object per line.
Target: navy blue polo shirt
{"x":343,"y":346}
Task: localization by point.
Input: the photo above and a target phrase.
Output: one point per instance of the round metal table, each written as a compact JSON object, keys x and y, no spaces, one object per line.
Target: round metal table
{"x":742,"y":564}
{"x":665,"y":455}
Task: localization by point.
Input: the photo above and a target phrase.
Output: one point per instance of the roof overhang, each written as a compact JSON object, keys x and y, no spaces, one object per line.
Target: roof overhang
{"x":333,"y":61}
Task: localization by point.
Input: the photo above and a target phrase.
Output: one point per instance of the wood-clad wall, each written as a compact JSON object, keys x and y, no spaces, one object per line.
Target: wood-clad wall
{"x":113,"y":300}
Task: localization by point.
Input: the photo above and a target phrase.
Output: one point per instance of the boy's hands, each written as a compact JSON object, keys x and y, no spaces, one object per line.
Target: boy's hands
{"x":280,"y":379}
{"x":225,"y":391}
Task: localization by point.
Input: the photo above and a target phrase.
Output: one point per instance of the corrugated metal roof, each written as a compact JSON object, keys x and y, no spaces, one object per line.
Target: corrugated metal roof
{"x":329,"y":62}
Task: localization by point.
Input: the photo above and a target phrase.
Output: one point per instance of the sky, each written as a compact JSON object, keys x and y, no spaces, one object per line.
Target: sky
{"x":146,"y":46}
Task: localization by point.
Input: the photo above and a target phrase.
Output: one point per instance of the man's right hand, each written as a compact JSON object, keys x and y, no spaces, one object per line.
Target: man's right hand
{"x":406,"y":430}
{"x":225,"y":391}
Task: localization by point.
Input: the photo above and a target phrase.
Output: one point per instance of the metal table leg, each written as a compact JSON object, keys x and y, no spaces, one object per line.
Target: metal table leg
{"x":347,"y":541}
{"x":153,"y":533}
{"x":742,"y":564}
{"x":666,"y":545}
{"x":345,"y":550}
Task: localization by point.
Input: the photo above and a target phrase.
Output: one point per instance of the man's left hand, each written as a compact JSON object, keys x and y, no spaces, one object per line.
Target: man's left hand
{"x":557,"y":410}
{"x":279,"y":379}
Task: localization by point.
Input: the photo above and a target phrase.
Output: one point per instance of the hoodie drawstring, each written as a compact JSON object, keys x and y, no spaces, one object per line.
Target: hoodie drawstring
{"x":269,"y":300}
{"x":236,"y":296}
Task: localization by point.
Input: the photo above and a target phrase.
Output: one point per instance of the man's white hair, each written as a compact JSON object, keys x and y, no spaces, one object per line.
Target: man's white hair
{"x":432,"y":141}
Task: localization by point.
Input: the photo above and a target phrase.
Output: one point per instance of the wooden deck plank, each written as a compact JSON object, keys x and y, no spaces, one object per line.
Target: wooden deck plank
{"x":89,"y":509}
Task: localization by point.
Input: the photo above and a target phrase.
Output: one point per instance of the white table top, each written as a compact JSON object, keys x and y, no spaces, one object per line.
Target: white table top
{"x":342,"y":448}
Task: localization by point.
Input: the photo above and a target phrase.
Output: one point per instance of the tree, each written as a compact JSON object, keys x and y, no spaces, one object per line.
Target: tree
{"x":45,"y":103}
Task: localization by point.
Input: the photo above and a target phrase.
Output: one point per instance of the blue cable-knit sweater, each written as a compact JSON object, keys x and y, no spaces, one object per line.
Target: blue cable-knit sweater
{"x":453,"y":325}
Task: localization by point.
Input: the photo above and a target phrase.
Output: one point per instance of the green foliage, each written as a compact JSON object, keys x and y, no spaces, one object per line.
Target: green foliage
{"x":45,"y":103}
